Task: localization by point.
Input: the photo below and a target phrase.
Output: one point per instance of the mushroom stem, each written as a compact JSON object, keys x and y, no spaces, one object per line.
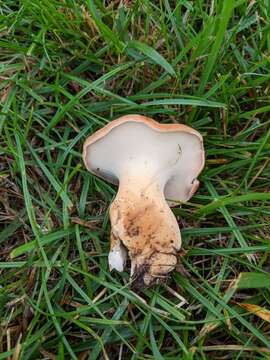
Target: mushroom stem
{"x":143,"y":223}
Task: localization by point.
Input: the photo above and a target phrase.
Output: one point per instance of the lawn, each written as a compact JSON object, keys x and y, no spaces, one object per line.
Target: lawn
{"x":67,"y":68}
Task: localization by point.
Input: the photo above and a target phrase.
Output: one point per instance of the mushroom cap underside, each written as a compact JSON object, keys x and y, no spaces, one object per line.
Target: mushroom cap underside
{"x":141,"y":146}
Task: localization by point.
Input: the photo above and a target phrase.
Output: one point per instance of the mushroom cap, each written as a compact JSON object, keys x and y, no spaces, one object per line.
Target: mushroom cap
{"x":173,"y":152}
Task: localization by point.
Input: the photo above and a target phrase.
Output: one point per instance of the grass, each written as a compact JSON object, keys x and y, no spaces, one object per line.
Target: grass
{"x":67,"y":68}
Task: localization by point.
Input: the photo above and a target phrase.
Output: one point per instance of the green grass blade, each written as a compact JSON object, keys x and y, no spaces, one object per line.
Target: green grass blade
{"x":59,"y":189}
{"x":226,"y":200}
{"x":151,"y":54}
{"x":252,"y":280}
{"x":224,"y":18}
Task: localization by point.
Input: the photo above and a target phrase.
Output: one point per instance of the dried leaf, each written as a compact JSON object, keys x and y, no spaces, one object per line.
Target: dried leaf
{"x":257,"y":310}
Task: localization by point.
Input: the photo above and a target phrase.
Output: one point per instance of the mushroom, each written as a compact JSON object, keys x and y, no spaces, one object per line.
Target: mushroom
{"x":156,"y":166}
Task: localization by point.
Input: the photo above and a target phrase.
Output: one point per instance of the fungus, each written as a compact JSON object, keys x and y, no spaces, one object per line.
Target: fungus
{"x":156,"y":166}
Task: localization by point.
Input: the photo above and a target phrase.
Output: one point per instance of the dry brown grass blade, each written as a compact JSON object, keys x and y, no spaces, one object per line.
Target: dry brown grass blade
{"x":88,"y":224}
{"x":16,"y":355}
